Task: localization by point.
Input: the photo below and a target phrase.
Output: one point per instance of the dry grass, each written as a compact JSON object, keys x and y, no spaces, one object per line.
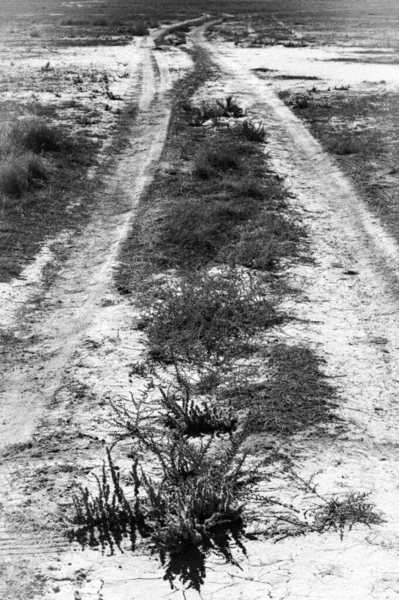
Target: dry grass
{"x":190,"y":510}
{"x":32,"y":135}
{"x":40,"y":170}
{"x":212,"y":162}
{"x":20,"y":173}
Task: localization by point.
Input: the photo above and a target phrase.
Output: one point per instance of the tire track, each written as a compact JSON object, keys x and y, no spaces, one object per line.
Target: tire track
{"x":37,"y":363}
{"x":86,"y":277}
{"x":351,"y":318}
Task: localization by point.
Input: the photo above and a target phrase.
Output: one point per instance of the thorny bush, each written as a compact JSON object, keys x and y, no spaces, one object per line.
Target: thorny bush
{"x":190,"y":509}
{"x":207,"y":316}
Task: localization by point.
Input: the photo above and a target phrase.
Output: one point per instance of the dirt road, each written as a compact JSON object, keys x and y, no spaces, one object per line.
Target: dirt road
{"x":72,"y":351}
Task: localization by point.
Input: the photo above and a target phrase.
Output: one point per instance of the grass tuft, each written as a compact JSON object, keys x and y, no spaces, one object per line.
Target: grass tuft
{"x":253,"y":132}
{"x":32,"y":135}
{"x":139,"y":29}
{"x":19,"y":173}
{"x":345,"y":145}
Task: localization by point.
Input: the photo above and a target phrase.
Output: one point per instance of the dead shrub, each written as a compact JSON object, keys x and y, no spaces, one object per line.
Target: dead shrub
{"x":188,"y":417}
{"x":207,"y":316}
{"x":191,"y":509}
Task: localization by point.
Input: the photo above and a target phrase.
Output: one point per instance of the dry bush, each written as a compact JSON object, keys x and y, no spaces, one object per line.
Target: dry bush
{"x":253,"y":132}
{"x":340,"y":513}
{"x":191,"y":509}
{"x":188,"y":417}
{"x":207,"y":316}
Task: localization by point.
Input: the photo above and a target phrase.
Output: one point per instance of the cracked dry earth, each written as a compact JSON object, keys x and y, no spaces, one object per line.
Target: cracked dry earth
{"x":68,"y":356}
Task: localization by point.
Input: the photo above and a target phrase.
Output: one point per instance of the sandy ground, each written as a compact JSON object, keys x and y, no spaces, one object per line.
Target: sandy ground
{"x":81,"y":338}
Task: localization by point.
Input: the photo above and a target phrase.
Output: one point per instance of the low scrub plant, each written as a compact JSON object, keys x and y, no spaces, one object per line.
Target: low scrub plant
{"x":257,"y":248}
{"x":262,"y":245}
{"x":188,"y":417}
{"x":207,"y":316}
{"x":34,"y":32}
{"x":38,"y":137}
{"x":301,"y":102}
{"x":230,"y":107}
{"x":191,"y":509}
{"x":340,"y":513}
{"x":100,"y":22}
{"x":226,"y":107}
{"x":69,"y":22}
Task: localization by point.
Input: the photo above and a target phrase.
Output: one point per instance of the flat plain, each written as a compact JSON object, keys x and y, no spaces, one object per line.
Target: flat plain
{"x":199,"y":243}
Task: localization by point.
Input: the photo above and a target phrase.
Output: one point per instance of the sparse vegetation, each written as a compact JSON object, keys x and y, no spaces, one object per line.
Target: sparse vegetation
{"x":343,"y":512}
{"x":214,"y":111}
{"x":228,"y":208}
{"x":100,"y":22}
{"x":203,"y":249}
{"x":34,"y":32}
{"x":212,"y":162}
